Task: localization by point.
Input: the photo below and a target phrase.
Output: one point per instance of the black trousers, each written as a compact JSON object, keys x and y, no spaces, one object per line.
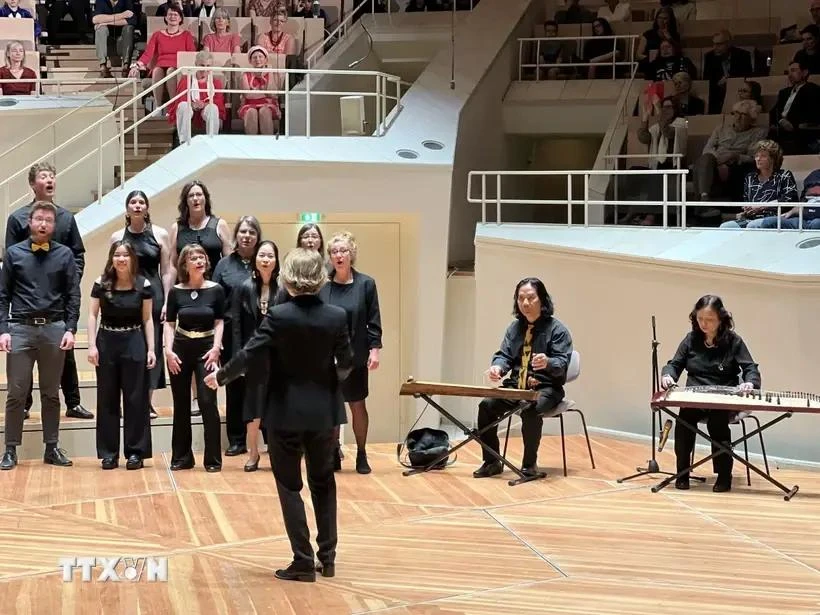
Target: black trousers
{"x":532,"y":420}
{"x":717,"y":424}
{"x":285,"y":452}
{"x":190,"y":352}
{"x":122,"y":374}
{"x":69,"y":383}
{"x":234,"y":397}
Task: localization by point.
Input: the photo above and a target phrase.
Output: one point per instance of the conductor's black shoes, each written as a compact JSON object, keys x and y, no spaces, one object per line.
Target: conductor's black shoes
{"x":9,"y":460}
{"x":292,"y":573}
{"x":723,"y":483}
{"x":326,"y":570}
{"x":56,"y":457}
{"x":489,"y":469}
{"x":682,"y":482}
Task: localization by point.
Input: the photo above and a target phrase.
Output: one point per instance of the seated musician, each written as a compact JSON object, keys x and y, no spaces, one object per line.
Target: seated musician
{"x":712,"y":354}
{"x":535,"y":351}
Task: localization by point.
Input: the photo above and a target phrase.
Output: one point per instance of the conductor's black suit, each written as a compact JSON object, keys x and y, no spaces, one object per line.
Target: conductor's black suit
{"x":310,"y":354}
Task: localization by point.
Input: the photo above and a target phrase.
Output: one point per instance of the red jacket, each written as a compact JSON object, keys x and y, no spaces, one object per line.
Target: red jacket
{"x":218,"y":100}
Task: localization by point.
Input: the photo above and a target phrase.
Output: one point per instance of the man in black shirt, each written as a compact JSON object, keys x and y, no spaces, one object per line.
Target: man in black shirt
{"x":43,"y":182}
{"x":39,"y":309}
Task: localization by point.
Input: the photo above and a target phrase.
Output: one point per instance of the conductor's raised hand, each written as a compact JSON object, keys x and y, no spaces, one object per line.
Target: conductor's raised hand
{"x":494,"y":373}
{"x":667,"y":382}
{"x":539,"y":360}
{"x":210,"y":381}
{"x":746,"y":386}
{"x":5,"y":342}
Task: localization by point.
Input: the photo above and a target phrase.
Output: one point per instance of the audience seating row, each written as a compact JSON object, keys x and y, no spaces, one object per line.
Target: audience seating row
{"x":17,"y":30}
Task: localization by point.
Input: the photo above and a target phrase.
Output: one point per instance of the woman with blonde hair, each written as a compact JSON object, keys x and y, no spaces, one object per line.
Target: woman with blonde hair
{"x":276,"y":40}
{"x":15,"y":69}
{"x":221,"y":39}
{"x":356,"y":293}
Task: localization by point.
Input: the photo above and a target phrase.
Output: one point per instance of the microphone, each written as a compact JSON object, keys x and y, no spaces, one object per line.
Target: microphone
{"x":667,"y":427}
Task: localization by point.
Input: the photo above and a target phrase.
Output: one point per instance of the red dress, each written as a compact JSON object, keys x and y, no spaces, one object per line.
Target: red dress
{"x":162,"y":48}
{"x":221,"y":44}
{"x":258,"y":81}
{"x":17,"y":89}
{"x":281,"y":43}
{"x":218,"y":100}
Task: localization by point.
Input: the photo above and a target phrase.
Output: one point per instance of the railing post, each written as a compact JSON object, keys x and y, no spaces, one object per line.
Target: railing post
{"x":498,"y":199}
{"x":378,"y":106}
{"x":483,"y":197}
{"x":665,"y":200}
{"x":586,"y":199}
{"x":569,"y":199}
{"x":100,"y":164}
{"x":799,"y":217}
{"x":190,"y":106}
{"x":287,"y":111}
{"x":383,"y":79}
{"x":134,"y":108}
{"x":683,"y":201}
{"x":122,"y":148}
{"x":7,"y":199}
{"x":307,"y":104}
{"x":521,"y":61}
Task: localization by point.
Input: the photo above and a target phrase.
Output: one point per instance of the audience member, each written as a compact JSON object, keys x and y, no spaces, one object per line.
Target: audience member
{"x":207,"y":102}
{"x":689,"y":103}
{"x":553,"y":52}
{"x":573,"y":13}
{"x":185,"y":6}
{"x":16,"y":69}
{"x":311,"y":10}
{"x":204,"y":9}
{"x":811,"y":213}
{"x":114,"y":19}
{"x":669,"y":62}
{"x":79,"y":11}
{"x":12,"y":9}
{"x":797,"y":110}
{"x":770,"y":183}
{"x":729,"y":154}
{"x":601,"y":50}
{"x":724,"y":62}
{"x":260,"y":111}
{"x":814,"y":10}
{"x":664,"y":28}
{"x":615,"y":10}
{"x":809,"y":55}
{"x":276,"y":40}
{"x":221,"y":39}
{"x":684,"y":10}
{"x":751,"y":90}
{"x":263,"y":8}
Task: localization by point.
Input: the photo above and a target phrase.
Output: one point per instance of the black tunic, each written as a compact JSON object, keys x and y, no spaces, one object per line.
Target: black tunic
{"x":195,"y":309}
{"x":230,"y":272}
{"x":207,"y":237}
{"x":122,"y":308}
{"x":723,"y":365}
{"x":149,"y":259}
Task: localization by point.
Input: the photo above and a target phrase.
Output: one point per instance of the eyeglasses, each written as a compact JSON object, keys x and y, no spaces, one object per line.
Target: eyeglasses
{"x":338,"y":251}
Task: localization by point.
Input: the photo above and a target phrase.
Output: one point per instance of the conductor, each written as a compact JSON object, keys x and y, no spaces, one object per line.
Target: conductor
{"x":535,"y":351}
{"x":310,"y":349}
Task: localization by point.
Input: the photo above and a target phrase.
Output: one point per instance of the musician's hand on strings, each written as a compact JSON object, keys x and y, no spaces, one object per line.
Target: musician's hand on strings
{"x":667,"y":382}
{"x":494,"y":373}
{"x":746,"y":386}
{"x":539,"y":361}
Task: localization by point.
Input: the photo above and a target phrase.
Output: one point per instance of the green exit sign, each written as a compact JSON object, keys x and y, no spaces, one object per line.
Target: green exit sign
{"x":310,"y":217}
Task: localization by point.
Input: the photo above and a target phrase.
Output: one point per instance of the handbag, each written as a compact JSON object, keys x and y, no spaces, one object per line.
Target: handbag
{"x":424,"y":446}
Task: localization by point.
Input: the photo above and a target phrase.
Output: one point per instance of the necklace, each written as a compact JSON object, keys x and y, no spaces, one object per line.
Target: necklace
{"x":708,"y":344}
{"x":194,"y":295}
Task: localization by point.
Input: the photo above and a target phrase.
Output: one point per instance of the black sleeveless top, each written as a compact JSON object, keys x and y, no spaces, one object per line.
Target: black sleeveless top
{"x":207,"y":237}
{"x":122,"y":308}
{"x":149,"y":256}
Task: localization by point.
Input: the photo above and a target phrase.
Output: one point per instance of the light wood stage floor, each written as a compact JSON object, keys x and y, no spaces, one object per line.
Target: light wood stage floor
{"x":436,"y":544}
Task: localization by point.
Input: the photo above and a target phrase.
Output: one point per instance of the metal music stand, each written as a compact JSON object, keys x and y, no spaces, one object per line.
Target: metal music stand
{"x":652,"y":466}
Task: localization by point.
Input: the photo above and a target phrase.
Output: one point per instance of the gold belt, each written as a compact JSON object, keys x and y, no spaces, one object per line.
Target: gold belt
{"x":194,"y":334}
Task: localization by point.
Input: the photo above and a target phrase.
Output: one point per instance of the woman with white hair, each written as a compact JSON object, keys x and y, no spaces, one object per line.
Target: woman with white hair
{"x":14,"y":69}
{"x":260,"y":110}
{"x":207,"y":102}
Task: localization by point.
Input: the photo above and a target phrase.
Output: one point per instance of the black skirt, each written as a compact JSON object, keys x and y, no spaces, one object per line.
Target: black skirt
{"x":355,"y":386}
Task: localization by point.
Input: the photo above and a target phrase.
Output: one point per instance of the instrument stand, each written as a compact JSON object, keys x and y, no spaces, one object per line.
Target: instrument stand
{"x":652,"y":466}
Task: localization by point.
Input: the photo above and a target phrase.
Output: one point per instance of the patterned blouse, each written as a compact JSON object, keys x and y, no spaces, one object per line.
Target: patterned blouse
{"x":779,"y":188}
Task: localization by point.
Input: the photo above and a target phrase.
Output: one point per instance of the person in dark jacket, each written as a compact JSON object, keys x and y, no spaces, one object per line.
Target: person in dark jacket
{"x":311,"y":357}
{"x":536,"y":351}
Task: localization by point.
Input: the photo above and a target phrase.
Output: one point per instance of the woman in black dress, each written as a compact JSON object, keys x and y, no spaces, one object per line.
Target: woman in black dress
{"x":249,"y":306}
{"x":153,"y":249}
{"x":230,"y":273}
{"x":712,"y":354}
{"x":193,"y":342}
{"x":356,"y":293}
{"x":196,"y":225}
{"x":122,"y":350}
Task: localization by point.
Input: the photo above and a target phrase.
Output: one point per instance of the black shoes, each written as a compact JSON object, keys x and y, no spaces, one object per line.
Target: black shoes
{"x":362,"y":467}
{"x":153,"y":413}
{"x":532,"y":471}
{"x":294,"y":573}
{"x":9,"y":459}
{"x":326,"y":570}
{"x":488,"y":469}
{"x":79,"y":412}
{"x":682,"y":482}
{"x":252,"y":466}
{"x":236,"y":449}
{"x":110,"y":463}
{"x":134,"y":463}
{"x":213,"y":468}
{"x":337,"y":459}
{"x":182,"y":464}
{"x":56,"y":457}
{"x":723,"y":483}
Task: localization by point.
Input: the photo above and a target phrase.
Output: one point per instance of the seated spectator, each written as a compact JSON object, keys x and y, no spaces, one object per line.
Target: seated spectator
{"x":15,"y":68}
{"x":684,"y":10}
{"x":664,"y":28}
{"x":204,"y":9}
{"x":186,"y":6}
{"x":814,"y":11}
{"x":670,"y":61}
{"x":809,"y":54}
{"x":276,"y":40}
{"x":573,"y":13}
{"x":796,"y":112}
{"x":553,"y":52}
{"x":729,"y":154}
{"x":770,"y":183}
{"x":161,"y":53}
{"x":12,"y":10}
{"x":811,"y":213}
{"x":114,"y":19}
{"x":751,"y":90}
{"x":689,"y":103}
{"x":221,"y":40}
{"x":79,"y":11}
{"x":264,"y":8}
{"x":600,"y":50}
{"x":725,"y":61}
{"x":311,"y":10}
{"x":260,"y":112}
{"x":207,"y":106}
{"x":615,"y":11}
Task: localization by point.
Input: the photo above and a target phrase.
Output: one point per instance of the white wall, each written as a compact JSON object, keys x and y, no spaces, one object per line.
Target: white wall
{"x":459,"y":343}
{"x":607,"y":303}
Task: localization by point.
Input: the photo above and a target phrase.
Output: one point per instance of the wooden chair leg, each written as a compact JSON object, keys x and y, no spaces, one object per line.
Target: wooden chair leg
{"x":586,"y":434}
{"x":563,"y":444}
{"x":746,"y":453}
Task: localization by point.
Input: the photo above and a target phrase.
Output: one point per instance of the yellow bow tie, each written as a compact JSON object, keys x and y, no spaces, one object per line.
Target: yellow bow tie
{"x":40,"y":246}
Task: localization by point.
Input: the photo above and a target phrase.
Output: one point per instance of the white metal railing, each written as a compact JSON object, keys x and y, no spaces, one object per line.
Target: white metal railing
{"x":382,"y":81}
{"x":86,"y":102}
{"x":674,"y":179}
{"x":525,"y":46}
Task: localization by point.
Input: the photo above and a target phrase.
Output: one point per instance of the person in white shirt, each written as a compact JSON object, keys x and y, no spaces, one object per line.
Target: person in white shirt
{"x":615,"y":10}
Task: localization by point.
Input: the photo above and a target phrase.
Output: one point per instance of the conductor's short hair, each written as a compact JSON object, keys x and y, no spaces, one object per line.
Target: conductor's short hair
{"x":303,"y":272}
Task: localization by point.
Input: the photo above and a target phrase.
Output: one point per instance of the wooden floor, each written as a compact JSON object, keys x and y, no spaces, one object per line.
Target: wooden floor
{"x":436,"y":544}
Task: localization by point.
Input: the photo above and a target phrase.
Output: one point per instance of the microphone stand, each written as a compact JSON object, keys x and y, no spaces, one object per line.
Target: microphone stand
{"x":652,"y":466}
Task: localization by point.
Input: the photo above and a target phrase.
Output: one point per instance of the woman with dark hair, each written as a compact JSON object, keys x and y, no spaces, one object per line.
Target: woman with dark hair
{"x":122,"y":350}
{"x":600,"y":50}
{"x":310,"y":238}
{"x":664,"y":28}
{"x":197,"y":226}
{"x":751,"y":90}
{"x":251,"y":302}
{"x":669,"y":62}
{"x":193,"y":343}
{"x":535,"y":353}
{"x":712,"y":354}
{"x":230,"y":273}
{"x":153,"y":249}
